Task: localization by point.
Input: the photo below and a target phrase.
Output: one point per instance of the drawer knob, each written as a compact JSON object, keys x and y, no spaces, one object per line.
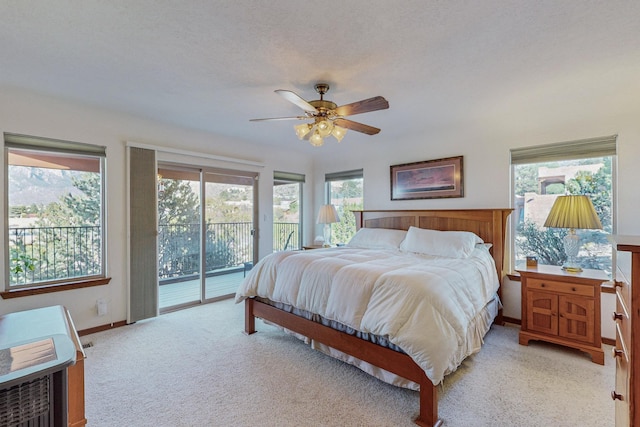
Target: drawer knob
{"x":542,"y":285}
{"x":573,"y":289}
{"x":617,"y":316}
{"x":616,"y":396}
{"x":616,"y":353}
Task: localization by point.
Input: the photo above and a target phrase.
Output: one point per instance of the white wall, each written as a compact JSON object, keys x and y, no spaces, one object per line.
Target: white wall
{"x":31,"y":114}
{"x":485,"y":147}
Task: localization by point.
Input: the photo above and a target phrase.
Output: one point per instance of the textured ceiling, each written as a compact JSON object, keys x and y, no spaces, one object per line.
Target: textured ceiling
{"x":212,"y":65}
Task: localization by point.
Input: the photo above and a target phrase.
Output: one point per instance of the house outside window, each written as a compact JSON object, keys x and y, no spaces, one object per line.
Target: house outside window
{"x":345,"y":191}
{"x":540,"y":174}
{"x":55,"y":210}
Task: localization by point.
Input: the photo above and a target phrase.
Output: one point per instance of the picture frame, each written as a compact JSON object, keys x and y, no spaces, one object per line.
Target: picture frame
{"x":428,"y":179}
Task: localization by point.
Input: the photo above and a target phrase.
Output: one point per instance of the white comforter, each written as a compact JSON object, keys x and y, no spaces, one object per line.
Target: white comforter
{"x":423,"y":304}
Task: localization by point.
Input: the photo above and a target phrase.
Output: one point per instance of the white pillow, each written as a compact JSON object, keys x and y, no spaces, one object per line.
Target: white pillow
{"x":452,"y":244}
{"x":377,"y":238}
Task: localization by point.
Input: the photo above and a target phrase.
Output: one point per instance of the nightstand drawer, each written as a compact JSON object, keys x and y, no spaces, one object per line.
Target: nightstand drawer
{"x":623,"y":323}
{"x":622,"y":287}
{"x":621,"y":342}
{"x":555,"y":286}
{"x":621,"y":385}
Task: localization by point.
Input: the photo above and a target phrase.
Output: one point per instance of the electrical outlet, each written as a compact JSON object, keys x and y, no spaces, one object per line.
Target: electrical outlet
{"x":102,"y":307}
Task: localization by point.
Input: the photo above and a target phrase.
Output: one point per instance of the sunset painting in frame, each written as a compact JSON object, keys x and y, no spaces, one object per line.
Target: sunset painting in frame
{"x":430,"y":179}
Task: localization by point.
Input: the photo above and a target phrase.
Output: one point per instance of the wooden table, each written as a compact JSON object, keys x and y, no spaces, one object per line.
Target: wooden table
{"x":562,"y":308}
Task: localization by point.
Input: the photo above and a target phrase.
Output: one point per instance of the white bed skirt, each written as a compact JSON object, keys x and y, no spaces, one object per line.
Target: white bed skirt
{"x":475,"y":338}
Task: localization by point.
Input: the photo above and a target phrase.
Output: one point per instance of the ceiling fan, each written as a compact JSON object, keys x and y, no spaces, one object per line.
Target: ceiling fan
{"x":328,"y":118}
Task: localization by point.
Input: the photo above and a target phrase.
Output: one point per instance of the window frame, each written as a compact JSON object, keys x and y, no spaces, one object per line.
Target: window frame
{"x":56,"y":147}
{"x":604,"y":146}
{"x":341,"y":176}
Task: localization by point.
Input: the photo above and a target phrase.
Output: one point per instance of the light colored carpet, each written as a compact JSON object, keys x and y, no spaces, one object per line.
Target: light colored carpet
{"x":195,"y":368}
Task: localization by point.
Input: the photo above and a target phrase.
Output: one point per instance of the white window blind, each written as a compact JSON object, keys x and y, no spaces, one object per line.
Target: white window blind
{"x":343,"y":176}
{"x":25,"y":142}
{"x":287,"y":177}
{"x":569,"y":150}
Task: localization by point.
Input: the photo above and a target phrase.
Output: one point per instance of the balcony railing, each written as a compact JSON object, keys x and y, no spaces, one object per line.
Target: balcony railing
{"x":51,"y":253}
{"x":226,"y":245}
{"x":41,"y":254}
{"x":286,"y":236}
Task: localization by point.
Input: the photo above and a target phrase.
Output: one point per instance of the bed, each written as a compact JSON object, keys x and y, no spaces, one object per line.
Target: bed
{"x":379,"y":334}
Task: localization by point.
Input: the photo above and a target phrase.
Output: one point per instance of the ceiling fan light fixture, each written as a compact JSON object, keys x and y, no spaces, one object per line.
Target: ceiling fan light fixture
{"x":316,"y":139}
{"x":328,"y":118}
{"x":338,"y":132}
{"x":302,"y":130}
{"x":324,"y":127}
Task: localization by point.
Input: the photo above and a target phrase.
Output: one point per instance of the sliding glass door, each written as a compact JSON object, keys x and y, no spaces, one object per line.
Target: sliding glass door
{"x":205,"y":249}
{"x":179,"y":229}
{"x":229,"y":230}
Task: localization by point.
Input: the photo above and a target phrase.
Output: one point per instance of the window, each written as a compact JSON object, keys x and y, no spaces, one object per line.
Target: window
{"x":287,"y":208}
{"x":55,"y":207}
{"x":542,"y":173}
{"x":345,"y":192}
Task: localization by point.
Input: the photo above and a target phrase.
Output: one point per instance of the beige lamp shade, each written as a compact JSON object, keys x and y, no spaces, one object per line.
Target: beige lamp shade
{"x":328,"y":215}
{"x":573,"y":212}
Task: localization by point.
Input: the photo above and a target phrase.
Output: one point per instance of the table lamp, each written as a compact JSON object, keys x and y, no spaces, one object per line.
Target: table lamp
{"x":572,"y":212}
{"x":327,"y":215}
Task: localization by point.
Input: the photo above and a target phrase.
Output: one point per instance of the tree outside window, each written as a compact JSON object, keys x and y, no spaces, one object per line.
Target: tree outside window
{"x":55,"y":205}
{"x":536,"y":187}
{"x":286,"y":215}
{"x":346,"y":195}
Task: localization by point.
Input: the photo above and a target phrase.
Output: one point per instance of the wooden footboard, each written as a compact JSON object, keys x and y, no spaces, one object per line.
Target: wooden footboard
{"x":489,"y":224}
{"x":382,"y":357}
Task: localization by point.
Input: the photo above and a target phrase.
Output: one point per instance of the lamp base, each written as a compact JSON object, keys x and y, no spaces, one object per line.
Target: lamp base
{"x":572,"y":268}
{"x":327,"y":235}
{"x":571,"y":248}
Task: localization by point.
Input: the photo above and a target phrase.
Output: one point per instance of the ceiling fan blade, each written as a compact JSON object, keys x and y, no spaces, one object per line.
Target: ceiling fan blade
{"x":358,"y":127}
{"x":297,"y":100}
{"x":280,"y":118}
{"x":364,"y":106}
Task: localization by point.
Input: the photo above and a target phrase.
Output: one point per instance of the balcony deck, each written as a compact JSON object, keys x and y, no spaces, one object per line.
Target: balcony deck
{"x":188,"y":292}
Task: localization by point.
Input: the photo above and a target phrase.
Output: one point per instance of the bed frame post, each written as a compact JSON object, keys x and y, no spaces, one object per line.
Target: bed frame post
{"x":249,"y":318}
{"x":428,"y":416}
{"x":359,"y":219}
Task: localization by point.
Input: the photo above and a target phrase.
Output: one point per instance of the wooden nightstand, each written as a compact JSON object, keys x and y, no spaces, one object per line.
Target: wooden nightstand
{"x":562,"y":308}
{"x":309,"y":247}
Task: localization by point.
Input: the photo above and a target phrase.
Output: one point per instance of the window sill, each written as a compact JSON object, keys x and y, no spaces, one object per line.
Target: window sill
{"x":515,"y":277}
{"x":67,"y":286}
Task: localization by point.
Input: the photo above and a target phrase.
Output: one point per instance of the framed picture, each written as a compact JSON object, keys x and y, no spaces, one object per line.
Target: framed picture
{"x":429,"y":179}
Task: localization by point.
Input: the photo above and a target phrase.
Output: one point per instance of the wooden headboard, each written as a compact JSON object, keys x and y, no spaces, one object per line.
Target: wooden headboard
{"x":489,"y":224}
